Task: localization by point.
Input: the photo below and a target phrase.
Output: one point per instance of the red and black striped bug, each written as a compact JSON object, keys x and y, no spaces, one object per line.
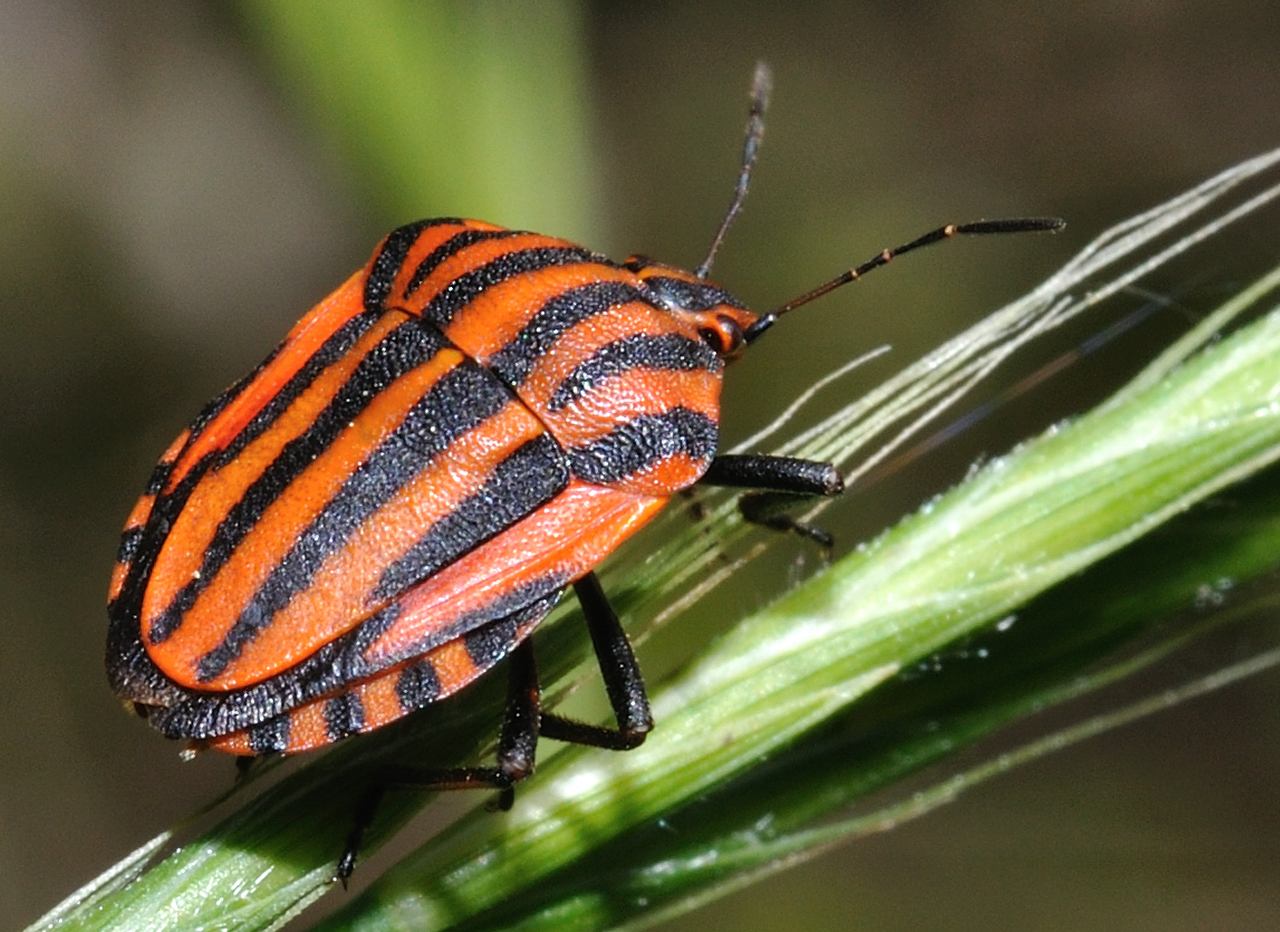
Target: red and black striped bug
{"x":389,"y":504}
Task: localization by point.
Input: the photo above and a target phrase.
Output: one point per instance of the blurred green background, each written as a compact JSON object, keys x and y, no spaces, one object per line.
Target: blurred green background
{"x":181,"y":182}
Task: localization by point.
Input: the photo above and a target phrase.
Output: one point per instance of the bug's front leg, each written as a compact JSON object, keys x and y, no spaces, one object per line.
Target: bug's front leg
{"x":779,"y":483}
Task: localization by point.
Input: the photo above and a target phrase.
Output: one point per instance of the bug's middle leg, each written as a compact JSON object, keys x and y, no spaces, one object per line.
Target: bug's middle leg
{"x":623,"y":682}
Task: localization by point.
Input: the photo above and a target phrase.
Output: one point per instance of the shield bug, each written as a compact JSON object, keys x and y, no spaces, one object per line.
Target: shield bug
{"x":390,"y":503}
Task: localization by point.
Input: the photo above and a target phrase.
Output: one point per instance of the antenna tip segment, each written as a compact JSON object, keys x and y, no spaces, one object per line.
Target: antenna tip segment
{"x":1015,"y":225}
{"x":761,"y":86}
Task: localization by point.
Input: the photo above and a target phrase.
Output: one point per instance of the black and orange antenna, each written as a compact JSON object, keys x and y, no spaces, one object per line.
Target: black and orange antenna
{"x":761,"y":86}
{"x":885,"y":256}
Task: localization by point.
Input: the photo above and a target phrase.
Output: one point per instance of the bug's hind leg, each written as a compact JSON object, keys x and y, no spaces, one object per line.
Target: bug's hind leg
{"x":622,"y":679}
{"x":779,"y":484}
{"x":517,"y":745}
{"x":524,"y":722}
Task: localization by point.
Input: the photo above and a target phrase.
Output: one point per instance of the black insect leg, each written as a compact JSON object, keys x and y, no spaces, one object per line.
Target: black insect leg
{"x":524,"y":722}
{"x":517,"y":744}
{"x":244,"y":767}
{"x":774,"y":474}
{"x":622,"y":680}
{"x":774,"y":511}
{"x":781,"y":483}
{"x":361,"y":821}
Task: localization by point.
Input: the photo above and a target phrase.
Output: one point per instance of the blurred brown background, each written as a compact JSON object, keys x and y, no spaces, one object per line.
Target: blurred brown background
{"x":171,"y":206}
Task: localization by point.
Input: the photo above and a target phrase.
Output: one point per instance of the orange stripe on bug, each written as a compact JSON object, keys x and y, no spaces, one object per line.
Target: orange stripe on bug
{"x":452,"y":666}
{"x":342,"y":586}
{"x":306,"y":337}
{"x":207,"y":622}
{"x":220,"y":490}
{"x":492,"y":319}
{"x":560,"y":541}
{"x":468,"y":259}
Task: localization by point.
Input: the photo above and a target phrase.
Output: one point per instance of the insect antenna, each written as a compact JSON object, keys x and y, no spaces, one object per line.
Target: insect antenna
{"x":761,"y":85}
{"x":976,"y":228}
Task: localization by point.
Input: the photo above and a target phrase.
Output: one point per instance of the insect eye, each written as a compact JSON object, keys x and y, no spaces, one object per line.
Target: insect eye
{"x":725,"y":337}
